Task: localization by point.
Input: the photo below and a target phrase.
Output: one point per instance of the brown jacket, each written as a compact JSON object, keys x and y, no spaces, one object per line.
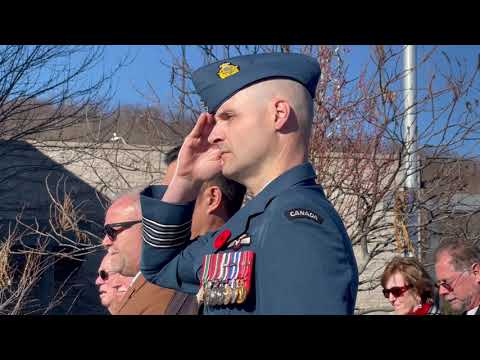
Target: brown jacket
{"x":144,"y":298}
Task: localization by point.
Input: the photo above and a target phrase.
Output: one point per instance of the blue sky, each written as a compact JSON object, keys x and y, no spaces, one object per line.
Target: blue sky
{"x":132,"y":82}
{"x":146,"y":67}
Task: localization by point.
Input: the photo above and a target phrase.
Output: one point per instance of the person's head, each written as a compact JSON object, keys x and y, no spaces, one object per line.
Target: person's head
{"x":123,"y":234}
{"x":218,"y":200}
{"x":262,"y":128}
{"x":111,"y":285}
{"x":263,"y":111}
{"x":457,"y":268}
{"x":406,"y":285}
{"x":171,"y":162}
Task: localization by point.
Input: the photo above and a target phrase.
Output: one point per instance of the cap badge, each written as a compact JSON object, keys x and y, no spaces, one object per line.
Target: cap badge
{"x":226,"y":70}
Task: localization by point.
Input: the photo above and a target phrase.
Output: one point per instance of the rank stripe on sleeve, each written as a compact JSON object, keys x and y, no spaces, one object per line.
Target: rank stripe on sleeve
{"x":165,"y":236}
{"x":168,"y":236}
{"x":165,"y":227}
{"x":164,"y":244}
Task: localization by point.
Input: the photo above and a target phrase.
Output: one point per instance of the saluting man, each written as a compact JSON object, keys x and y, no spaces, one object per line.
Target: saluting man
{"x":286,"y":251}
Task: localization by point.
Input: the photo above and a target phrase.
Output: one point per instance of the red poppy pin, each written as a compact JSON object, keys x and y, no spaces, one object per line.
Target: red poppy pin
{"x":222,"y":239}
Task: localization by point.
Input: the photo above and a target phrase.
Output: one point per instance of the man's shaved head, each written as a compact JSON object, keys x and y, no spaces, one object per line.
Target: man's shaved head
{"x":294,"y":93}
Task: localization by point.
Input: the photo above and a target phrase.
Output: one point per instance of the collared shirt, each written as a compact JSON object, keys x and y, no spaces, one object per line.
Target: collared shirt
{"x":264,"y":186}
{"x":473,"y":311}
{"x":304,"y":262}
{"x":135,"y":278}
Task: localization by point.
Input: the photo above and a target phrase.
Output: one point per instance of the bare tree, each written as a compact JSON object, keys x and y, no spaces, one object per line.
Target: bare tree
{"x":44,"y":89}
{"x":358,"y":147}
{"x":21,"y":271}
{"x":45,"y":93}
{"x":66,"y":226}
{"x":49,"y":97}
{"x":133,"y":155}
{"x":28,"y":251}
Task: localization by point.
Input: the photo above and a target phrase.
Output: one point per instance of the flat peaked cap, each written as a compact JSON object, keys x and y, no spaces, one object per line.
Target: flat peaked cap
{"x":217,"y":82}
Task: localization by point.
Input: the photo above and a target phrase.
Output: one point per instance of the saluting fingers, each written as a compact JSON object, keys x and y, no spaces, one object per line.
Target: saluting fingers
{"x":202,"y":126}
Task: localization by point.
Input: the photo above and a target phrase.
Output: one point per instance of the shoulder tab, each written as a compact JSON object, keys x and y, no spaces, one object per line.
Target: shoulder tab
{"x":299,"y":213}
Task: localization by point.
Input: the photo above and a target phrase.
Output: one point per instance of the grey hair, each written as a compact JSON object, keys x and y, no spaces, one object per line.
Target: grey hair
{"x":464,"y":254}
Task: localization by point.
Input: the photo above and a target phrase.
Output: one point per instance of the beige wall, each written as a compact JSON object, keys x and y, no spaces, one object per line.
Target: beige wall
{"x":112,"y":168}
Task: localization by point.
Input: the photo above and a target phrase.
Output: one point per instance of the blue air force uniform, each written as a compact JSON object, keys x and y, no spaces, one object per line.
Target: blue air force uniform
{"x":302,"y":263}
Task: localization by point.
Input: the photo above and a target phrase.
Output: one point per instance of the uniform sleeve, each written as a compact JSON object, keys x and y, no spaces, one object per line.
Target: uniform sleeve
{"x":308,"y":267}
{"x":169,"y":259}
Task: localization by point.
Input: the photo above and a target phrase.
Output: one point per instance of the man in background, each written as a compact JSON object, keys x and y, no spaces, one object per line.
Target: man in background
{"x":217,"y":201}
{"x":111,"y":285}
{"x":457,"y":267}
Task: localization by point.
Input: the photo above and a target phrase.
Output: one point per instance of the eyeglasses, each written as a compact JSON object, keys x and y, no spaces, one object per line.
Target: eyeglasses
{"x":446,"y":285}
{"x":112,"y":233}
{"x":396,"y":291}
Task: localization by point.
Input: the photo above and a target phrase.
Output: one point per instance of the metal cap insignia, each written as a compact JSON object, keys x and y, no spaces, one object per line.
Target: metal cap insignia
{"x":226,"y":70}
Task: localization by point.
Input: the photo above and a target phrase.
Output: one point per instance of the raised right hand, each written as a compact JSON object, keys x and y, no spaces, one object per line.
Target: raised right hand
{"x":198,"y":160}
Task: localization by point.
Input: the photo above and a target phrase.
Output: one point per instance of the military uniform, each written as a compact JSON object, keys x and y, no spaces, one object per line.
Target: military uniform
{"x":285,"y":252}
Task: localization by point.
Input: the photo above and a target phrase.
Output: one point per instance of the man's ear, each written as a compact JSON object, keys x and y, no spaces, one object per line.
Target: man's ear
{"x":476,"y":272}
{"x":214,"y":199}
{"x":282,"y":113}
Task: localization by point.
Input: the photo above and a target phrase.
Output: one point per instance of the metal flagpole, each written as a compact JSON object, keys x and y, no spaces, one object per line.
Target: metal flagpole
{"x":410,"y":137}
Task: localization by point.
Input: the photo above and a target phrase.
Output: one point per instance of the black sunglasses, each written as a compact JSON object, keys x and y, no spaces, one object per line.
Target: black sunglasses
{"x":396,"y":291}
{"x":112,"y":233}
{"x":103,"y":275}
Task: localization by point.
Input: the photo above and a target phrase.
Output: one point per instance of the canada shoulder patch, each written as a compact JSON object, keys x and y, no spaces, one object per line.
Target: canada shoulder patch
{"x":294,"y":214}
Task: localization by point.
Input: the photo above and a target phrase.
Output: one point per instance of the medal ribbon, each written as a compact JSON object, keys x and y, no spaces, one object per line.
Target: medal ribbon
{"x":205,"y":266}
{"x":235,"y":267}
{"x":227,"y":267}
{"x":222,"y":268}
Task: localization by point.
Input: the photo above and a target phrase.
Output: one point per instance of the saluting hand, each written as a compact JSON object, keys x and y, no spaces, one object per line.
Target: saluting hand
{"x":198,"y":160}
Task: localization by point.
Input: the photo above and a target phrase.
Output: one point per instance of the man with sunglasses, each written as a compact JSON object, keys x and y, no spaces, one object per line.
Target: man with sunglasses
{"x":457,"y":267}
{"x":123,"y":231}
{"x":111,"y":285}
{"x":217,"y":201}
{"x":123,"y":234}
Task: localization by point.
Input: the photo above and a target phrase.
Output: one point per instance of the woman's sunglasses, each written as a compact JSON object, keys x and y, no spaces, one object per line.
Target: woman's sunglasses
{"x":396,"y":291}
{"x":112,"y":233}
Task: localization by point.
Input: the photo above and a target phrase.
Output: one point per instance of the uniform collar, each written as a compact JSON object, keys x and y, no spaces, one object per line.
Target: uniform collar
{"x":290,"y":178}
{"x":285,"y":181}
